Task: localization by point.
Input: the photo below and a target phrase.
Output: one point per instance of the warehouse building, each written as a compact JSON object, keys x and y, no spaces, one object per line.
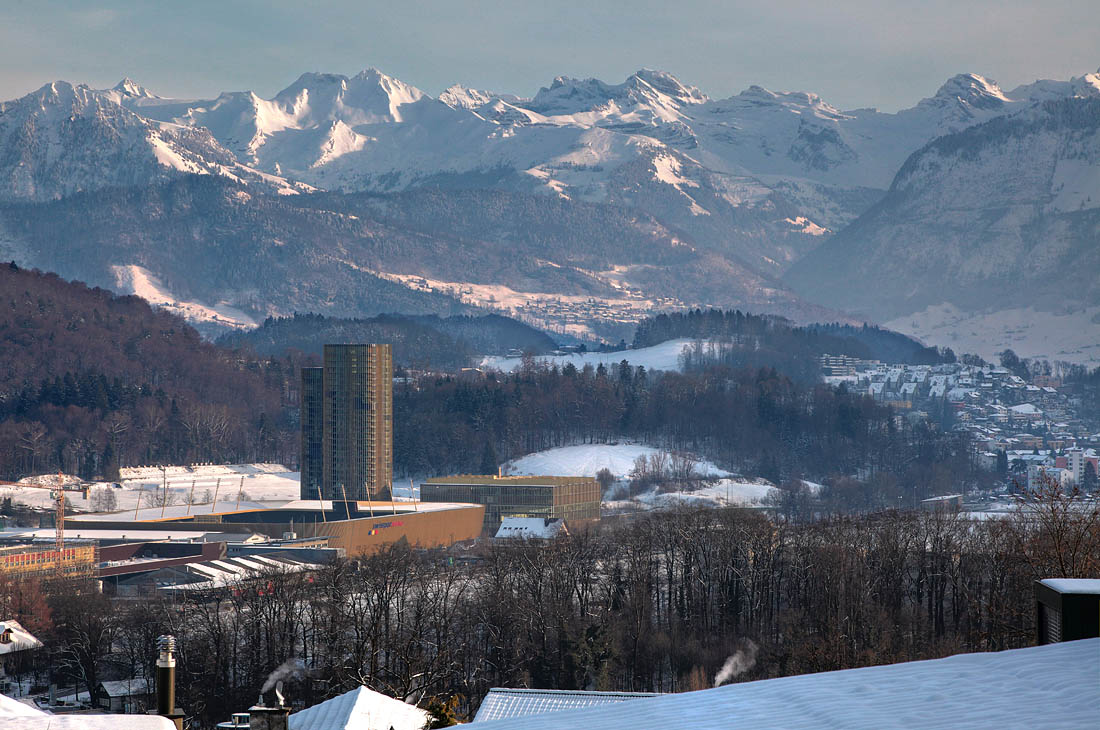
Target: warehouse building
{"x":352,"y":527}
{"x":573,"y":499}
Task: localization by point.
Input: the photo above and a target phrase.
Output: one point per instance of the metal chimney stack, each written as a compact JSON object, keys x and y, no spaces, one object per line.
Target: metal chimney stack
{"x":166,"y":680}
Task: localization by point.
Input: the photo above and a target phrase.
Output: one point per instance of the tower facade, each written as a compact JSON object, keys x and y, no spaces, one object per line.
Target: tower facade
{"x":347,"y":424}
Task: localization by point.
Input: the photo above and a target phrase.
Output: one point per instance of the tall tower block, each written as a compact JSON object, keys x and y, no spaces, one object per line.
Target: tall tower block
{"x":351,"y":428}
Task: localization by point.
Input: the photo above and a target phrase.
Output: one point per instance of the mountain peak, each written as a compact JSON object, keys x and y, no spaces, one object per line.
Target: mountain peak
{"x":972,"y":89}
{"x":462,"y":97}
{"x":129,"y":87}
{"x":667,"y":84}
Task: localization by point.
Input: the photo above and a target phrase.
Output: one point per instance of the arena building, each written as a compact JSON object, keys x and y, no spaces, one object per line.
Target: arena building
{"x":573,"y":499}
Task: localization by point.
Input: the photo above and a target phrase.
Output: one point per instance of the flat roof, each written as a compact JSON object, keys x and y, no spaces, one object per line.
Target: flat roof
{"x":199,"y":534}
{"x":381,"y":509}
{"x":506,"y":481}
{"x":176,"y":513}
{"x":172,"y":512}
{"x":1086,"y":586}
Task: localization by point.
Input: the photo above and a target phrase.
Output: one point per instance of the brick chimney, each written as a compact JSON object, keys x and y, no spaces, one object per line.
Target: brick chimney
{"x":269,"y":717}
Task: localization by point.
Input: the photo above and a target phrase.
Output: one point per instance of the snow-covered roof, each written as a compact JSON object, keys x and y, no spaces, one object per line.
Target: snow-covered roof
{"x":15,"y":715}
{"x":1020,"y":688}
{"x":128,"y":687}
{"x":360,"y":709}
{"x":11,"y":708}
{"x":530,"y":527}
{"x":1088,"y":586}
{"x":1026,"y":408}
{"x":18,"y":640}
{"x":221,"y":573}
{"x":502,"y":703}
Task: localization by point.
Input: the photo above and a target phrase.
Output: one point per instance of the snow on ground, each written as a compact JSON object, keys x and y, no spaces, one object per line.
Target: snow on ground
{"x":664,"y":356}
{"x":1074,"y":337}
{"x":258,"y":482}
{"x":143,"y":283}
{"x":1020,"y":688}
{"x":586,"y":459}
{"x":725,"y":493}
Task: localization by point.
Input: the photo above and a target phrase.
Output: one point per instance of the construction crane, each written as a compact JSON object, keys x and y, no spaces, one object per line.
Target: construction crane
{"x":58,"y":494}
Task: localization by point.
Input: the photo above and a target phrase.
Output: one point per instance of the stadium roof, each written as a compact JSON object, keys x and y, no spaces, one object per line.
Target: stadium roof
{"x":1052,"y":686}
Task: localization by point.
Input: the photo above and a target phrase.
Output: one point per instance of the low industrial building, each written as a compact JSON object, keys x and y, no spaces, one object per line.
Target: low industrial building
{"x":353,"y":527}
{"x":573,"y":499}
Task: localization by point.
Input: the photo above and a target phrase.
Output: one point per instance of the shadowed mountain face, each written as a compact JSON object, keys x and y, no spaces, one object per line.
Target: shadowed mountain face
{"x":1002,"y":216}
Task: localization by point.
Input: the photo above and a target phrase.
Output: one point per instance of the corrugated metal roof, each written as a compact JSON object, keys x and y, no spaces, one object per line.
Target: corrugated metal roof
{"x":502,"y":703}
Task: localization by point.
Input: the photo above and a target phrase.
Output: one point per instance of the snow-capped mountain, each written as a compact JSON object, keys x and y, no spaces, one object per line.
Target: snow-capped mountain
{"x":750,"y":184}
{"x":64,"y":139}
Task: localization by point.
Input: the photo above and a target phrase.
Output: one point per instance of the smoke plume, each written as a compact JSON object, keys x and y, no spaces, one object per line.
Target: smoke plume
{"x":293,"y":667}
{"x":738,"y":663}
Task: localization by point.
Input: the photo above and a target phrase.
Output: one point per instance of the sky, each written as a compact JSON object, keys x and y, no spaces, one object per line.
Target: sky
{"x":854,"y":53}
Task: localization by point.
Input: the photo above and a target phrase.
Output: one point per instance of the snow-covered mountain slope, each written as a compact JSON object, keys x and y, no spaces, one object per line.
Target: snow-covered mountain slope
{"x":733,"y":173}
{"x":64,"y":139}
{"x":1002,"y":216}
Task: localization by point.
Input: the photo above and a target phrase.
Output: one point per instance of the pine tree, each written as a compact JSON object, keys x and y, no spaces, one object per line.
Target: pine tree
{"x":489,"y":461}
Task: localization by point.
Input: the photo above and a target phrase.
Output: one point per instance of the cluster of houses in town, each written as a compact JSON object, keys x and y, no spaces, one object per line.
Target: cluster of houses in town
{"x":1030,"y":426}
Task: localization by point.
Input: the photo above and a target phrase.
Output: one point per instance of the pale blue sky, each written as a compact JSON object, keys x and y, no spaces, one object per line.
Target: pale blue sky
{"x":853,"y":53}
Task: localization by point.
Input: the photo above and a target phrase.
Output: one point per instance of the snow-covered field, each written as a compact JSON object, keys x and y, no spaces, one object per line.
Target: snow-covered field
{"x":1074,"y":337}
{"x":587,"y":459}
{"x":737,"y":492}
{"x":252,"y":482}
{"x":664,"y":356}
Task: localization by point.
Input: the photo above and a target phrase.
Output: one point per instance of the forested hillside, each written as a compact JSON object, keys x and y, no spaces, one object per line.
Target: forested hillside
{"x":750,"y":340}
{"x":422,"y":342}
{"x":754,"y":420}
{"x":90,"y":380}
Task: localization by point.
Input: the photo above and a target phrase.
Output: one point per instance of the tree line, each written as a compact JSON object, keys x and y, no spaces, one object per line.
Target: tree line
{"x":775,"y":341}
{"x":655,"y":603}
{"x":90,"y":381}
{"x":751,"y":420}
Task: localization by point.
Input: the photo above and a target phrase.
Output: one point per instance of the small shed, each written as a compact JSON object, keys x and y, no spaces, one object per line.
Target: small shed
{"x":125,"y":696}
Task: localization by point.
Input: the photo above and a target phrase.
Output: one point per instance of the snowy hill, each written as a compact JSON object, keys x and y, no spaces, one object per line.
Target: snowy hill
{"x":665,"y":356}
{"x":585,"y":460}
